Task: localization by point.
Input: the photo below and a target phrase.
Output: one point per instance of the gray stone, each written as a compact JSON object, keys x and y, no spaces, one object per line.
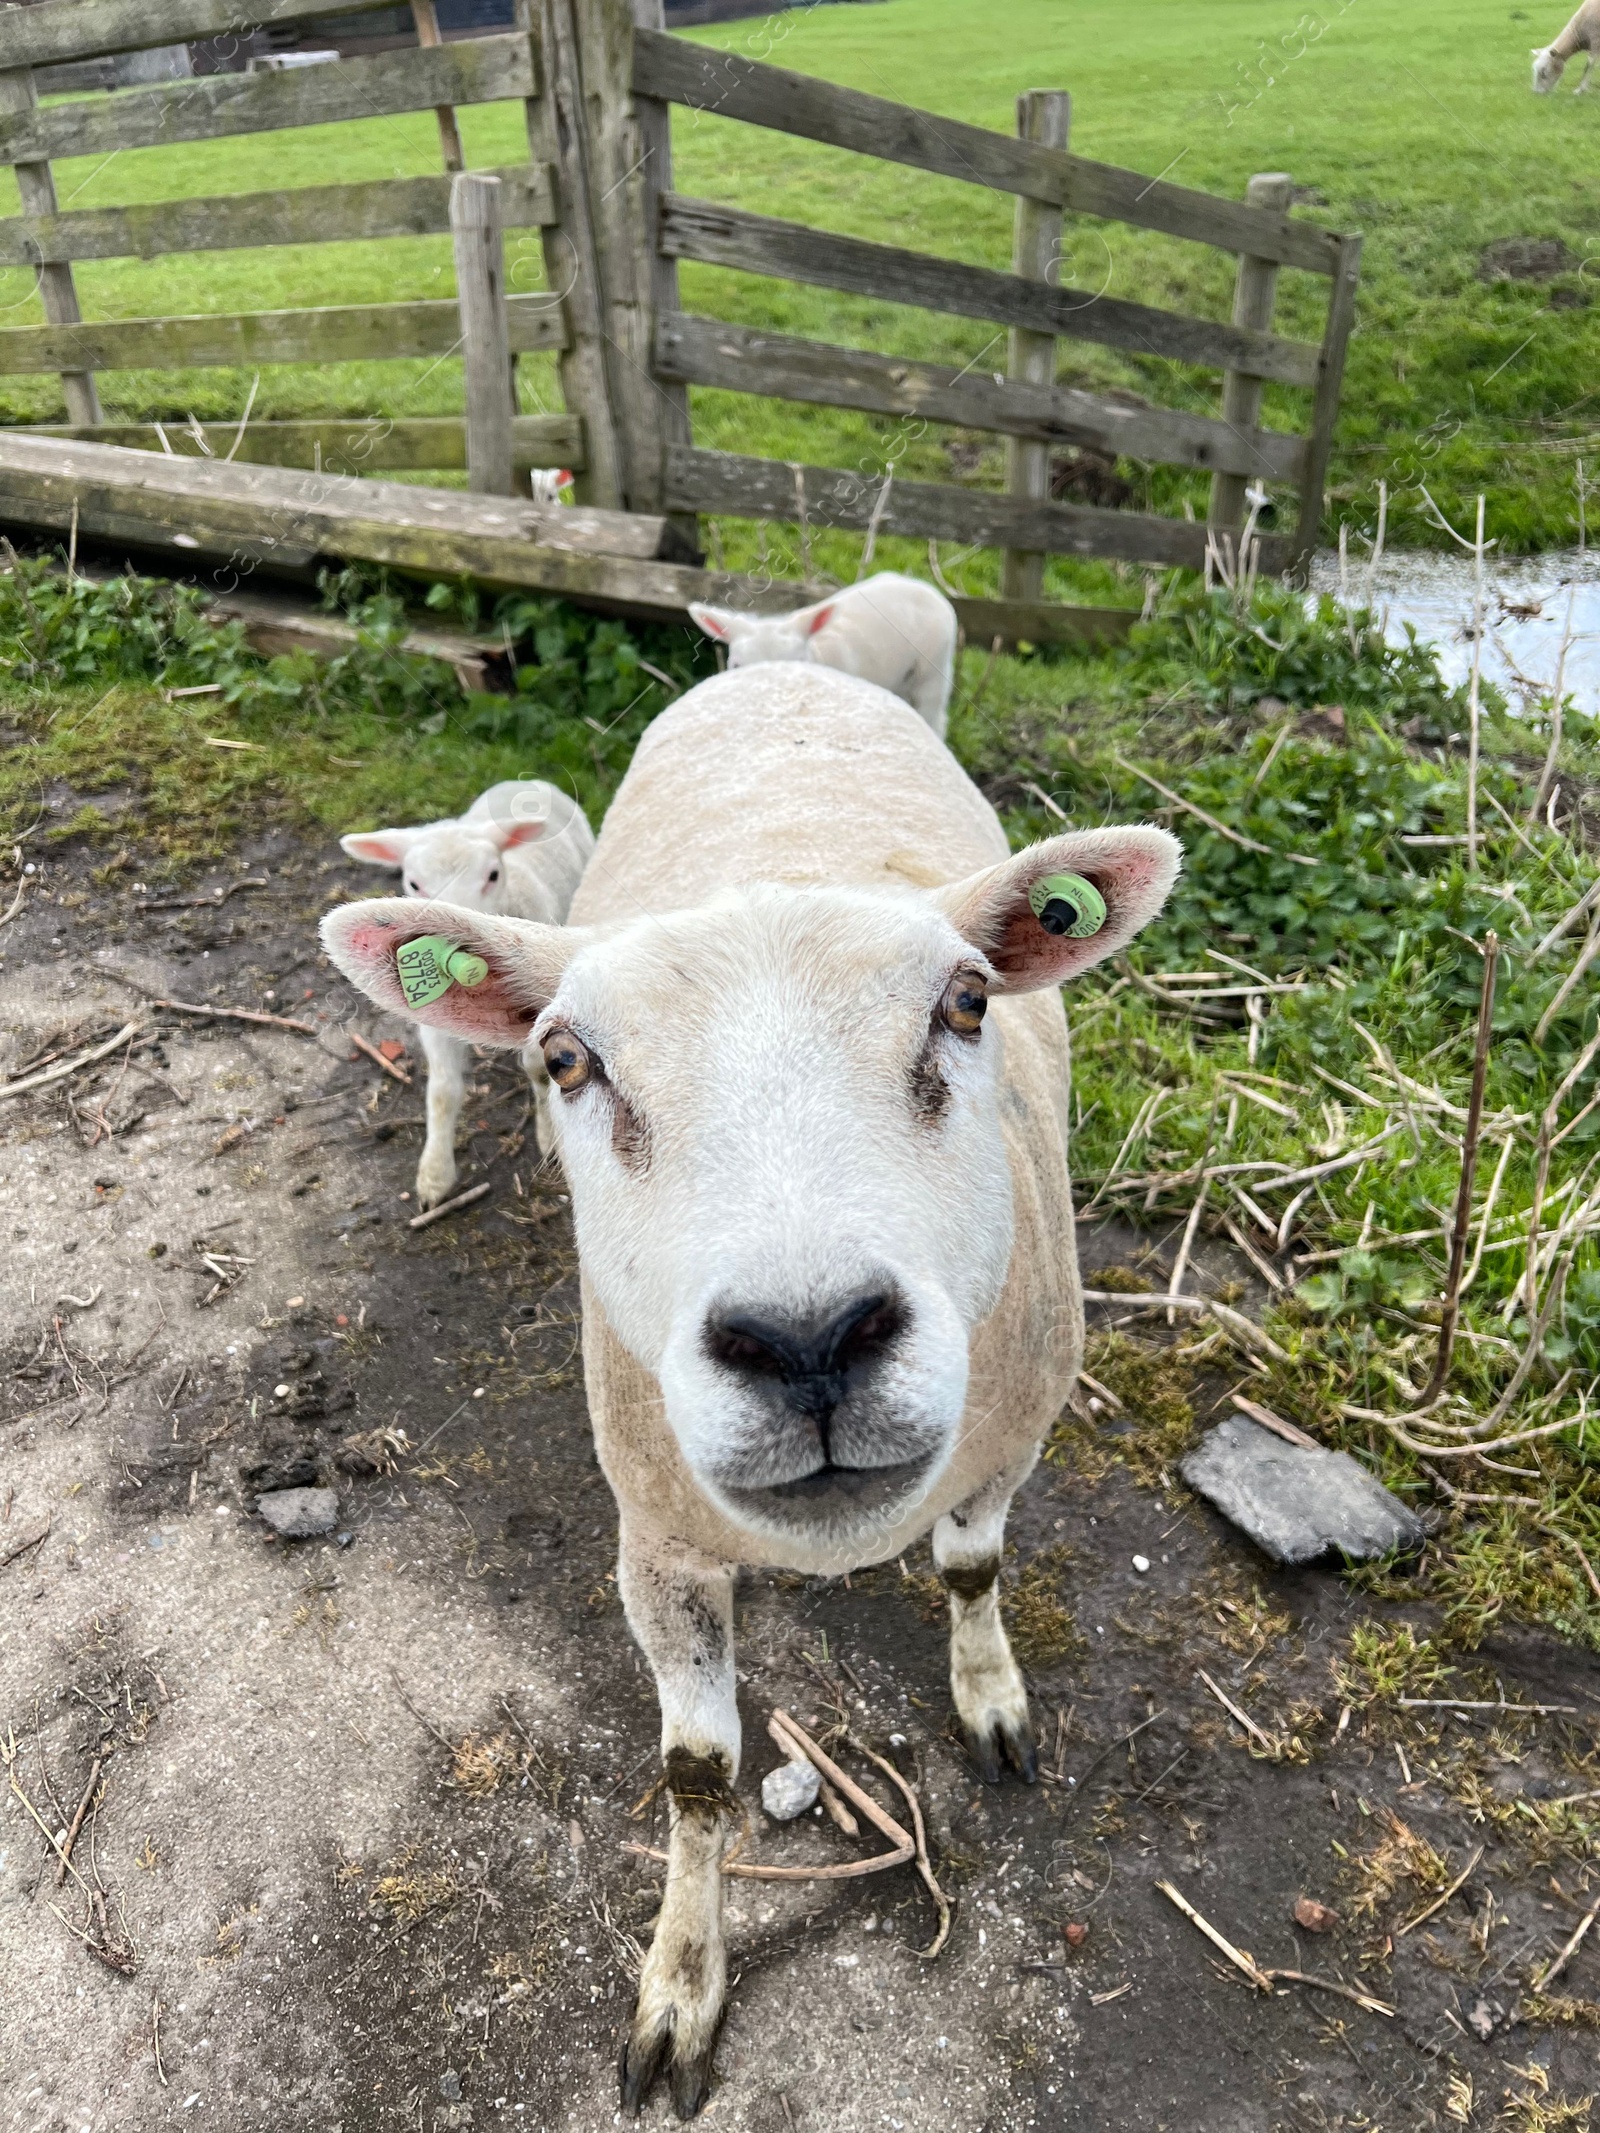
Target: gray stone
{"x":1297,"y":1504}
{"x":298,"y":1514}
{"x":790,"y":1789}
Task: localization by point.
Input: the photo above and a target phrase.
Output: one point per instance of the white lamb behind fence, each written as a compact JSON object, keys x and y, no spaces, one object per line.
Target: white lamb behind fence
{"x":1582,"y":34}
{"x":519,"y":851}
{"x":890,"y":629}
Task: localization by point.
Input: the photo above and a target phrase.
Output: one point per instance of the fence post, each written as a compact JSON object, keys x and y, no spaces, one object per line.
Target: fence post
{"x":1325,"y":410}
{"x":669,"y":409}
{"x":1043,"y":115}
{"x":59,"y":292}
{"x":1254,"y":294}
{"x":485,"y":339}
{"x":557,"y":135}
{"x":424,"y":15}
{"x":623,"y":154}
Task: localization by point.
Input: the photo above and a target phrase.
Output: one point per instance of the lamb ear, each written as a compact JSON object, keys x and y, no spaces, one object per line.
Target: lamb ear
{"x":819,"y":618}
{"x":508,"y":835}
{"x":526,"y":963}
{"x":1133,"y":869}
{"x":379,"y":848}
{"x":723,"y":623}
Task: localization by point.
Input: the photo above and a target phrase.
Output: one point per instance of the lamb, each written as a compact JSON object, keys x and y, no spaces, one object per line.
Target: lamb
{"x":890,"y":629}
{"x":518,"y":851}
{"x":1582,"y":34}
{"x":812,"y":1104}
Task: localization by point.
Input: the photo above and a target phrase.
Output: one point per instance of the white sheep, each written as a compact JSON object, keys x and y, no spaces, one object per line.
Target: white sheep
{"x":519,"y":851}
{"x":1582,"y":34}
{"x":813,"y":1096}
{"x":890,"y":629}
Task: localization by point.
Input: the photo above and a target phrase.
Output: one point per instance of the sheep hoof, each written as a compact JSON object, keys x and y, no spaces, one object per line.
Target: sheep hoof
{"x":1005,"y":1740}
{"x":643,"y":2058}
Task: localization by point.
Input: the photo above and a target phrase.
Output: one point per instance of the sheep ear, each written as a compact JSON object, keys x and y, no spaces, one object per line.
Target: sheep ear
{"x":508,"y":835}
{"x":526,"y":963}
{"x":723,"y":623}
{"x":819,"y":618}
{"x":1133,"y":870}
{"x":379,"y":848}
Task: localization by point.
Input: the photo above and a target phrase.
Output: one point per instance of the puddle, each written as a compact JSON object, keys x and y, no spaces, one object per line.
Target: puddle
{"x":1525,"y":609}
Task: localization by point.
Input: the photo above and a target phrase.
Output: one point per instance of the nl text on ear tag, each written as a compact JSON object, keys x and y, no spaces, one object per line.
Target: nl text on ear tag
{"x":428,"y":967}
{"x":1067,"y":904}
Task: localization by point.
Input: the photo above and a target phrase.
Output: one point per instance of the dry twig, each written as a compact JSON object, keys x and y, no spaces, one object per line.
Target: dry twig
{"x":1258,"y":1977}
{"x":1439,"y":1902}
{"x":1469,"y":1159}
{"x":450,"y":1207}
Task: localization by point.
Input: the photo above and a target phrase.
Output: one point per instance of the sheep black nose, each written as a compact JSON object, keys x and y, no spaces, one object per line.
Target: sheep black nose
{"x":813,"y":1359}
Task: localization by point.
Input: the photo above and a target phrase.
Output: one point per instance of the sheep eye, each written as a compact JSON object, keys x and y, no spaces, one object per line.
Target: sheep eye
{"x":567,"y":1061}
{"x":964,"y":1005}
{"x":415,"y":887}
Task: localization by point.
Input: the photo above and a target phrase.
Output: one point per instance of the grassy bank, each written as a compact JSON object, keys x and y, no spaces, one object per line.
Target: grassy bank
{"x":1415,"y":125}
{"x":1318,"y":780}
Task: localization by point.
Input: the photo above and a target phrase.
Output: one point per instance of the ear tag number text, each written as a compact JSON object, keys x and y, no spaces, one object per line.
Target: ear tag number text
{"x":429,"y":966}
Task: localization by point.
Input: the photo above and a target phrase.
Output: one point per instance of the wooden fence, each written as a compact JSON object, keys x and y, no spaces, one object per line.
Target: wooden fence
{"x":597,"y":83}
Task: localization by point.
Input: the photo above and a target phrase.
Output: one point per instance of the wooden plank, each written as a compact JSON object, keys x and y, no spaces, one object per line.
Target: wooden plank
{"x":610,"y":163}
{"x":480,"y":260}
{"x":236,"y":514}
{"x":557,"y":138}
{"x":743,"y":359}
{"x":1255,"y":296}
{"x":246,"y":340}
{"x":759,"y":244}
{"x":304,"y":214}
{"x":352,"y":444}
{"x":475,"y":71}
{"x":60,"y":30}
{"x":1045,"y":116}
{"x":729,"y":484}
{"x":57,"y":290}
{"x":274,"y":625}
{"x":99,"y":504}
{"x":668,"y":401}
{"x":309,"y":509}
{"x":761,"y":95}
{"x":1041,"y":622}
{"x":427,"y":26}
{"x":1325,"y":410}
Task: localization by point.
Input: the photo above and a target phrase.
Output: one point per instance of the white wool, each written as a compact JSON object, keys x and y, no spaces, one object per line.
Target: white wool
{"x":889,"y":629}
{"x":518,"y":851}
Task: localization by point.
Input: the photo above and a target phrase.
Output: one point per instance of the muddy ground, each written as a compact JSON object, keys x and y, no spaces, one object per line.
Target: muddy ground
{"x":355,"y":1849}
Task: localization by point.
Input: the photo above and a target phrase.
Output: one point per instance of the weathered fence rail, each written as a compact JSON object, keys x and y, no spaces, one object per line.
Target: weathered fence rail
{"x":597,"y":80}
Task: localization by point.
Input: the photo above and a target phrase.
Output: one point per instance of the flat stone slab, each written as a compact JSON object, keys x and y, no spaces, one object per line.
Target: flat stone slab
{"x":1295,"y":1504}
{"x":300,"y":1514}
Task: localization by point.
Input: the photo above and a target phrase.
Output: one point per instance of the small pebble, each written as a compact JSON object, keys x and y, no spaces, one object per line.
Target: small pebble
{"x":1141,"y":1563}
{"x":790,"y":1790}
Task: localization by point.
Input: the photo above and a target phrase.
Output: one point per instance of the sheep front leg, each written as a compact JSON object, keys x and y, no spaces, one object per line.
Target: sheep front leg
{"x":447,"y":1081}
{"x":680,"y":1608}
{"x":986,"y":1683}
{"x":1588,"y":69}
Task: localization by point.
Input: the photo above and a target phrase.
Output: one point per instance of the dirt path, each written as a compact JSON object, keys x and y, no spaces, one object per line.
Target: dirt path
{"x":354,"y":1854}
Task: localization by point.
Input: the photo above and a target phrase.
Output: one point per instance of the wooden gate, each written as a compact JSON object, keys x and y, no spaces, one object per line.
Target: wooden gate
{"x":597,"y":86}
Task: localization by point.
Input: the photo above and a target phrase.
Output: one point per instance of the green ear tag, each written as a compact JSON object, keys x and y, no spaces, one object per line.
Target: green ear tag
{"x":1067,"y":904}
{"x":428,"y":967}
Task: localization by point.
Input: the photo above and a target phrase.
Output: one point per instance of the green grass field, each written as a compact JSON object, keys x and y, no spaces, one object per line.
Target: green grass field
{"x":1414,"y":123}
